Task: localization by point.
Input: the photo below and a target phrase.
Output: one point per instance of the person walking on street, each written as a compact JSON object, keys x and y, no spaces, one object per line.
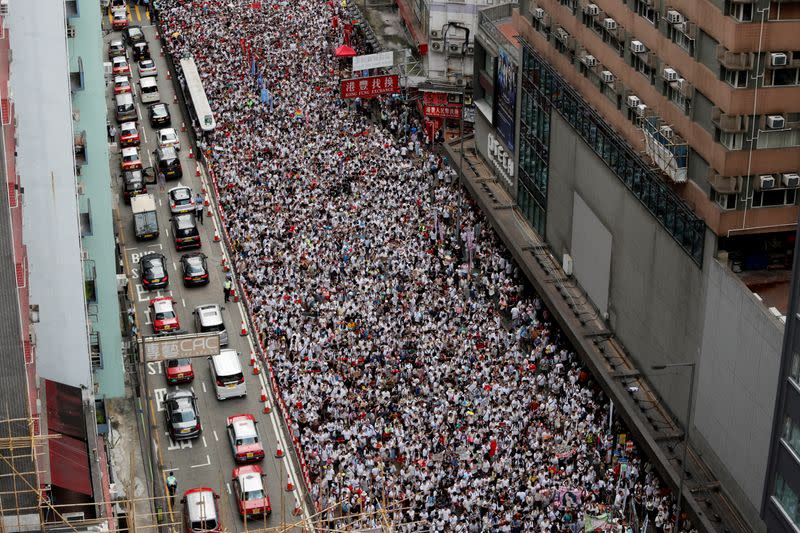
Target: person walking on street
{"x":112,"y":133}
{"x":226,"y":287}
{"x":198,"y":207}
{"x":172,"y":487}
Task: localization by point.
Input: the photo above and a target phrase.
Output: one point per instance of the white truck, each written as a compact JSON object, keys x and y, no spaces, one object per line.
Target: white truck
{"x":145,"y":219}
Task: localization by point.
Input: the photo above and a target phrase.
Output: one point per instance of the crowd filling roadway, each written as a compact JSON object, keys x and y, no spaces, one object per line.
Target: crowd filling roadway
{"x":420,"y":374}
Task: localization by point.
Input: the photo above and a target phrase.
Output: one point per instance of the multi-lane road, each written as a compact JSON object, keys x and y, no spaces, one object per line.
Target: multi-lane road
{"x":208,"y":460}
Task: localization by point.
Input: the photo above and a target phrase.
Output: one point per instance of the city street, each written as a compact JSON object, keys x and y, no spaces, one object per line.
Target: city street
{"x":206,"y":461}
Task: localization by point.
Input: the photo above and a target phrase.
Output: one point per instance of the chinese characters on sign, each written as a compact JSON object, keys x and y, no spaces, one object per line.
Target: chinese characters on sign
{"x":371,"y":86}
{"x":443,"y":105}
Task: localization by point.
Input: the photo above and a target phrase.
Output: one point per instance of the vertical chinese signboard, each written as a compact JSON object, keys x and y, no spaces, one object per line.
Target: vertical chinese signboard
{"x":506,"y":101}
{"x":441,"y":105}
{"x":370,"y":86}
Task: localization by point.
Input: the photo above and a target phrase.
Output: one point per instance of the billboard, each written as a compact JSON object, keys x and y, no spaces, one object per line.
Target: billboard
{"x":371,"y":86}
{"x":180,"y":346}
{"x":382,"y":59}
{"x":442,"y":105}
{"x":506,"y":98}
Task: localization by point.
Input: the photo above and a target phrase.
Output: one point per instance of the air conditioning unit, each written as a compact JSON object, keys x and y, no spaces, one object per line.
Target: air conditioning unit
{"x":674,"y":17}
{"x":640,"y":110}
{"x":607,"y":76}
{"x":470,"y":49}
{"x":70,"y":31}
{"x":84,"y":255}
{"x":590,"y":61}
{"x":633,"y":101}
{"x":670,"y":74}
{"x":637,"y":47}
{"x":610,"y":24}
{"x":592,"y":10}
{"x":436,"y":46}
{"x":681,"y":84}
{"x":538,"y":13}
{"x":79,"y":188}
{"x":454,"y":48}
{"x":436,"y":34}
{"x":666,"y":131}
{"x":4,"y":8}
{"x":567,"y":264}
{"x":791,"y":179}
{"x":775,"y":122}
{"x":681,"y":27}
{"x":766,"y":181}
{"x":778,"y":59}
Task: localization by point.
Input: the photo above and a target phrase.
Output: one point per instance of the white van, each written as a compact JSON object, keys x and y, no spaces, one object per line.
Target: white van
{"x":227,"y":375}
{"x":149,"y":90}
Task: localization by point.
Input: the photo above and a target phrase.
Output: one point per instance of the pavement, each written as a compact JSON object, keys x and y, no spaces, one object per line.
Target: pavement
{"x":208,"y":460}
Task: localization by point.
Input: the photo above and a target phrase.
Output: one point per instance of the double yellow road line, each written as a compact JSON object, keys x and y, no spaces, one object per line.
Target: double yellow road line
{"x":136,"y":13}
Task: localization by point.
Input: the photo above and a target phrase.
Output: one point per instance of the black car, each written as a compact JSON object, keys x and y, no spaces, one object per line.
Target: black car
{"x":154,"y":271}
{"x":141,"y":51}
{"x":133,"y":183}
{"x":183,"y":421}
{"x":168,"y":163}
{"x":184,"y":229}
{"x":133,"y":34}
{"x":195,"y":269}
{"x":159,"y":115}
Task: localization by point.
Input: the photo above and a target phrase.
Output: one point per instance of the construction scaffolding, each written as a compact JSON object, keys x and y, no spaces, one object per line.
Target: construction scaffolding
{"x":668,"y":150}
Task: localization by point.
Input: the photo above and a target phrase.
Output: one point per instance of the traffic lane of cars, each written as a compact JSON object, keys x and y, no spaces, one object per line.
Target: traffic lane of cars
{"x":192,"y":457}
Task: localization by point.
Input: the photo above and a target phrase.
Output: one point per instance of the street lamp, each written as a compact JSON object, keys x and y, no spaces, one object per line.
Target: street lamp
{"x":685,"y":433}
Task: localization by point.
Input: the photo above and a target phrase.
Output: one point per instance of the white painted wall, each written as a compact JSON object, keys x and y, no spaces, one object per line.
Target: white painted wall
{"x":45,"y":163}
{"x":440,"y":13}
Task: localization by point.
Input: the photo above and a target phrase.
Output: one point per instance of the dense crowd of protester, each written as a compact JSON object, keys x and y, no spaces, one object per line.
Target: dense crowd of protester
{"x":419,"y":373}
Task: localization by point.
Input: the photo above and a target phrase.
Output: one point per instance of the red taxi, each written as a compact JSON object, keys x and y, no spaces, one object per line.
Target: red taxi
{"x":128,"y":134}
{"x":119,"y":65}
{"x":119,"y":19}
{"x":245,"y":441}
{"x":251,"y":496}
{"x":163,"y":314}
{"x":179,"y":371}
{"x":130,"y":159}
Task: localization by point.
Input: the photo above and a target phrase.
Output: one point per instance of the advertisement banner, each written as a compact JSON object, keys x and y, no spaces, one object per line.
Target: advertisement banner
{"x":442,"y":105}
{"x":371,"y":86}
{"x":382,"y":59}
{"x":506,"y":100}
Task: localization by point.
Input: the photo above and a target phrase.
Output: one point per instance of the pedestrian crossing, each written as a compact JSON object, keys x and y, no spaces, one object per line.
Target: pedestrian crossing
{"x":136,"y":13}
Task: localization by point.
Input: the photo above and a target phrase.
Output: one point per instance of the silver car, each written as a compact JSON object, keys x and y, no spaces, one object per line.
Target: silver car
{"x":181,"y":200}
{"x":168,"y":137}
{"x":147,"y":67}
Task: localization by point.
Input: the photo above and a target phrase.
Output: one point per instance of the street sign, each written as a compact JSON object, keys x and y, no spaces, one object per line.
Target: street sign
{"x":382,"y":59}
{"x":371,"y":86}
{"x":180,"y":346}
{"x":441,"y":111}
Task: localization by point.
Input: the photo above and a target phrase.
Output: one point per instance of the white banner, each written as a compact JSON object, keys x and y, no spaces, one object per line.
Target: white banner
{"x":382,"y":59}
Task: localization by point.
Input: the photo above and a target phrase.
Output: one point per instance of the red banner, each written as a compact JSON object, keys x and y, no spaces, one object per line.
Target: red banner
{"x":441,"y":111}
{"x":370,"y":86}
{"x":442,"y":105}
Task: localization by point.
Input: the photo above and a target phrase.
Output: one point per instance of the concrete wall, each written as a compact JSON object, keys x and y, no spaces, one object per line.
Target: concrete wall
{"x":665,"y":309}
{"x":656,"y":292}
{"x":96,"y":178}
{"x":45,"y":160}
{"x":741,"y":352}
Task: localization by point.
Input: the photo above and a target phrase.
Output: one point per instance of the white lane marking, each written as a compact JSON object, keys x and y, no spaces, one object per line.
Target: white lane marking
{"x":144,"y":134}
{"x":175,"y":266}
{"x":153,"y":368}
{"x":228,"y":486}
{"x":203,"y":383}
{"x":160,"y":394}
{"x":141,"y":294}
{"x":172,"y":469}
{"x":191,"y":389}
{"x":159,"y":205}
{"x":179,"y":445}
{"x":184,"y":304}
{"x":205,"y":444}
{"x":147,"y":320}
{"x":207,"y":463}
{"x":214,"y":431}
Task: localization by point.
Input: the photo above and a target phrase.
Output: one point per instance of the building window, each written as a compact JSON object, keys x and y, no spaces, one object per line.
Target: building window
{"x":794,"y":372}
{"x":731,"y":141}
{"x":641,"y":66}
{"x":782,"y":77}
{"x":679,"y":37}
{"x":741,"y":12}
{"x":774,"y":197}
{"x":787,"y":498}
{"x":572,"y":5}
{"x":736,"y":78}
{"x":646,"y":11}
{"x":726,"y":201}
{"x":677,"y":97}
{"x":96,"y":350}
{"x":778,"y":139}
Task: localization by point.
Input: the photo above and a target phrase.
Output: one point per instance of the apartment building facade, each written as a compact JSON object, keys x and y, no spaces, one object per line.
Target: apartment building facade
{"x":655,"y":147}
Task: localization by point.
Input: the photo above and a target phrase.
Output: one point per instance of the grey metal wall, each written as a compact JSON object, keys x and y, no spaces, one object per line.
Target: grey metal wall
{"x":665,"y":309}
{"x":590,"y":247}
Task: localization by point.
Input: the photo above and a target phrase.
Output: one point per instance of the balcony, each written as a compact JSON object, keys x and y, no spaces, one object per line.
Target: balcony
{"x":734,"y":60}
{"x":89,"y":281}
{"x":729,"y":123}
{"x":79,"y":142}
{"x":95,"y":350}
{"x":666,"y":148}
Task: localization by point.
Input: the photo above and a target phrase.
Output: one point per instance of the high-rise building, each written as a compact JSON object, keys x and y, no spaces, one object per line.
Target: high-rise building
{"x":654,"y":147}
{"x":59,"y":91}
{"x":781,"y":507}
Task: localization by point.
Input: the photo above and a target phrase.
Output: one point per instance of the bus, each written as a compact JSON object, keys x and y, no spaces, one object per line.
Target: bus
{"x":197,"y":95}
